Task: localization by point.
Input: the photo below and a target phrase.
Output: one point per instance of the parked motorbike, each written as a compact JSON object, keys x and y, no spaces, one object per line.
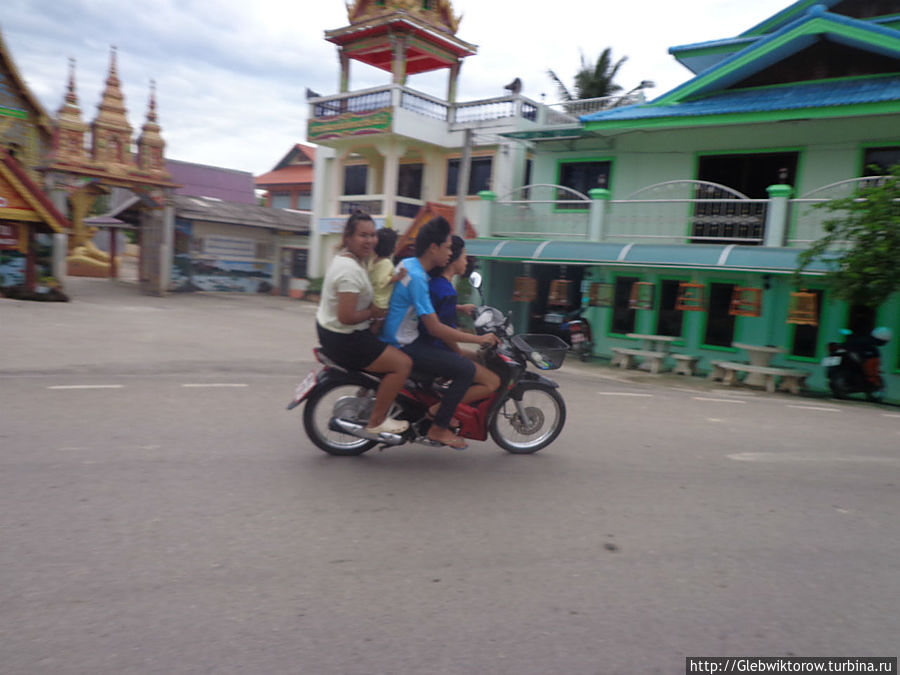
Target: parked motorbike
{"x":524,"y":415}
{"x":579,"y":332}
{"x":853,"y":366}
{"x":572,"y":327}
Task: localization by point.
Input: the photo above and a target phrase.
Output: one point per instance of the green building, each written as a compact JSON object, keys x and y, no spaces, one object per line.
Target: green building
{"x":708,"y":191}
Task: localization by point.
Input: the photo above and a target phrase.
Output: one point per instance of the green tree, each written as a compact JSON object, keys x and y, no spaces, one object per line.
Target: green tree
{"x":863,"y":240}
{"x":592,"y":81}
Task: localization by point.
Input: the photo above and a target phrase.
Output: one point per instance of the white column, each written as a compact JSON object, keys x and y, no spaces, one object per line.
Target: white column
{"x":777,"y":215}
{"x":60,"y":250}
{"x":167,"y":245}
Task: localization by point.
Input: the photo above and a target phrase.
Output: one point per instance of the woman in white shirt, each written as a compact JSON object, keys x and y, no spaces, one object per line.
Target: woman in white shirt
{"x":345,"y":314}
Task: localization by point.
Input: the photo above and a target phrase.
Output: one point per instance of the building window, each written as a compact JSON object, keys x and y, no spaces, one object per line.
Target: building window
{"x":583,"y":177}
{"x":304,"y":202}
{"x":622,"y":315}
{"x":355,"y":178}
{"x":735,"y":220}
{"x":409,"y":181}
{"x":479,"y":175}
{"x":719,"y":323}
{"x":263,"y":250}
{"x":669,"y":319}
{"x":861,"y":320}
{"x":299,"y":260}
{"x":806,"y":338}
{"x":882,"y":158}
{"x":281,"y":200}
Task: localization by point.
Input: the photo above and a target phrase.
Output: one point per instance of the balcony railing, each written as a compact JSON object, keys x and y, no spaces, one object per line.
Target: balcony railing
{"x":468,"y":113}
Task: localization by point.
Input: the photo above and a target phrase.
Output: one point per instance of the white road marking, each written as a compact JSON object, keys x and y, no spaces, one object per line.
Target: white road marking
{"x":717,"y":400}
{"x":214,"y":384}
{"x":87,"y":386}
{"x":808,"y":457}
{"x":890,"y":415}
{"x":622,"y":393}
{"x":813,"y":407}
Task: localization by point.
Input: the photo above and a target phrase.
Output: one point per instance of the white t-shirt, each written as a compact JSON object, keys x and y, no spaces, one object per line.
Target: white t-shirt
{"x":344,"y":275}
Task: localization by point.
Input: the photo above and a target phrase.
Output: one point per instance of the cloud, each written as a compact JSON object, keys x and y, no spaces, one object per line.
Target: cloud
{"x":231,"y":75}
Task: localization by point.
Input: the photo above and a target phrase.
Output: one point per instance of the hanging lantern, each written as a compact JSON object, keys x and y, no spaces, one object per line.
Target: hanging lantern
{"x":559,"y":293}
{"x":803,"y":309}
{"x":691,"y":297}
{"x":641,"y":295}
{"x":525,"y":289}
{"x":601,"y":295}
{"x":746,"y":302}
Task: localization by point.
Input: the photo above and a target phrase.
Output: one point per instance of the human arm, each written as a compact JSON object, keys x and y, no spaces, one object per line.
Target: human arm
{"x":349,"y":315}
{"x":398,"y":275}
{"x":453,"y":335}
{"x":465,"y":309}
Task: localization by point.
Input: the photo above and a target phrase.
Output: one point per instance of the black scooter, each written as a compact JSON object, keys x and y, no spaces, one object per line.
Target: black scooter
{"x":853,"y":367}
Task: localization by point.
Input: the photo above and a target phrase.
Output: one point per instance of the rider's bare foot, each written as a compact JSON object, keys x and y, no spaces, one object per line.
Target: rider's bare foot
{"x":432,"y":412}
{"x":446,"y":437}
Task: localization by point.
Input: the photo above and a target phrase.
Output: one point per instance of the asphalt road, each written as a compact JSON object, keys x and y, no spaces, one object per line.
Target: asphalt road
{"x":160,"y":512}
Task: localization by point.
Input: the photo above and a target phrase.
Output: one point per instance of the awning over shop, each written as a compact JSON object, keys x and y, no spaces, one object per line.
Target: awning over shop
{"x":729,"y":257}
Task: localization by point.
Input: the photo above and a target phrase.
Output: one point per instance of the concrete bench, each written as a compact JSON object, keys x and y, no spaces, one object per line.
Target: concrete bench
{"x":791,"y":380}
{"x":685,"y":363}
{"x":625,"y":358}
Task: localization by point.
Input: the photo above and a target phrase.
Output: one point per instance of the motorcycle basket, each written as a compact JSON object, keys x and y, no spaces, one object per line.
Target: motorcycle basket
{"x":546,"y":352}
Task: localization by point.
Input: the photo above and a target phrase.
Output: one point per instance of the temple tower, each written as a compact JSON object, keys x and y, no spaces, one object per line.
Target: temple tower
{"x":70,"y":130}
{"x":403,"y":37}
{"x":111,"y":132}
{"x":150,"y":145}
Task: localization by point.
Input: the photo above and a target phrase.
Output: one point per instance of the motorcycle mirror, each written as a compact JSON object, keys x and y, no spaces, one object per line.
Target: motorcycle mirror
{"x":475,"y":279}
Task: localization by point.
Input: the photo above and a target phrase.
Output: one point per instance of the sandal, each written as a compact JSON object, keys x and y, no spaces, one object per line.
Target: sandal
{"x":457,"y":443}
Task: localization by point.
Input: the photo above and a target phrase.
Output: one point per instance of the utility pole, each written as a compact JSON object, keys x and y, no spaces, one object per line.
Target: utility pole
{"x":462,"y":184}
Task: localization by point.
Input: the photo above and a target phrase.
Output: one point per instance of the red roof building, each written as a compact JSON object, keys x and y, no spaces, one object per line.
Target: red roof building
{"x":289,"y":184}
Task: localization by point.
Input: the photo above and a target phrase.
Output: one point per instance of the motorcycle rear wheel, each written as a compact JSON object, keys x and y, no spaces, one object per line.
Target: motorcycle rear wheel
{"x":546,"y":414}
{"x":318,"y":413}
{"x":839,"y":386}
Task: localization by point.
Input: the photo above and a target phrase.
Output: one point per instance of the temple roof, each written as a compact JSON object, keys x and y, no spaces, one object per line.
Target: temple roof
{"x":732,"y":85}
{"x":31,"y":203}
{"x":7,"y":63}
{"x":437,"y":13}
{"x":703,"y":55}
{"x":431,"y":34}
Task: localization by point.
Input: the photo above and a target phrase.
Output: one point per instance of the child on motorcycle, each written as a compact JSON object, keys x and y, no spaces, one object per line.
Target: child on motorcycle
{"x":382,"y":273}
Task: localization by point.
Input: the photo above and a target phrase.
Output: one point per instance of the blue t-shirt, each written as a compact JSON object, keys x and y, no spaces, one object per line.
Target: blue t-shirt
{"x":409,"y":301}
{"x":443,"y":298}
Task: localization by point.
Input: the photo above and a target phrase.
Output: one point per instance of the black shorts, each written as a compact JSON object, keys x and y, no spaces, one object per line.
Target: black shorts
{"x":356,"y":350}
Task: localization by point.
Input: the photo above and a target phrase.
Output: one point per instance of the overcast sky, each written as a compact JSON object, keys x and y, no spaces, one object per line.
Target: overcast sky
{"x":231,"y":74}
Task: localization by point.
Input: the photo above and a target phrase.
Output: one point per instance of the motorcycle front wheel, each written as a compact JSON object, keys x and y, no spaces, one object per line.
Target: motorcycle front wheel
{"x":544,"y":416}
{"x":327,"y":401}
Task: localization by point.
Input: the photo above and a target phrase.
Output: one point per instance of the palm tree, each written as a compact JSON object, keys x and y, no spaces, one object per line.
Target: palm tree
{"x":592,"y":81}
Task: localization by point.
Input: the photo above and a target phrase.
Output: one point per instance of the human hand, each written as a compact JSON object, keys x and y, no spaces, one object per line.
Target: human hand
{"x":487,"y":340}
{"x":466,"y":309}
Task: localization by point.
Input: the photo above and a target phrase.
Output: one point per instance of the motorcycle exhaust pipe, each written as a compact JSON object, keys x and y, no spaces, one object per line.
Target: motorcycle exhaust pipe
{"x":359,"y":430}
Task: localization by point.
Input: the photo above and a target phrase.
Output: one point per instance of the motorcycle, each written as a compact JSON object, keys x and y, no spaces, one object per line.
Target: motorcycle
{"x":524,"y":415}
{"x":853,"y":366}
{"x":579,"y":333}
{"x":573,"y":328}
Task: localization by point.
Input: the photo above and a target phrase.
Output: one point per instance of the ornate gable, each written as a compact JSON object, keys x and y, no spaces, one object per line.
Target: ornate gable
{"x":438,"y":13}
